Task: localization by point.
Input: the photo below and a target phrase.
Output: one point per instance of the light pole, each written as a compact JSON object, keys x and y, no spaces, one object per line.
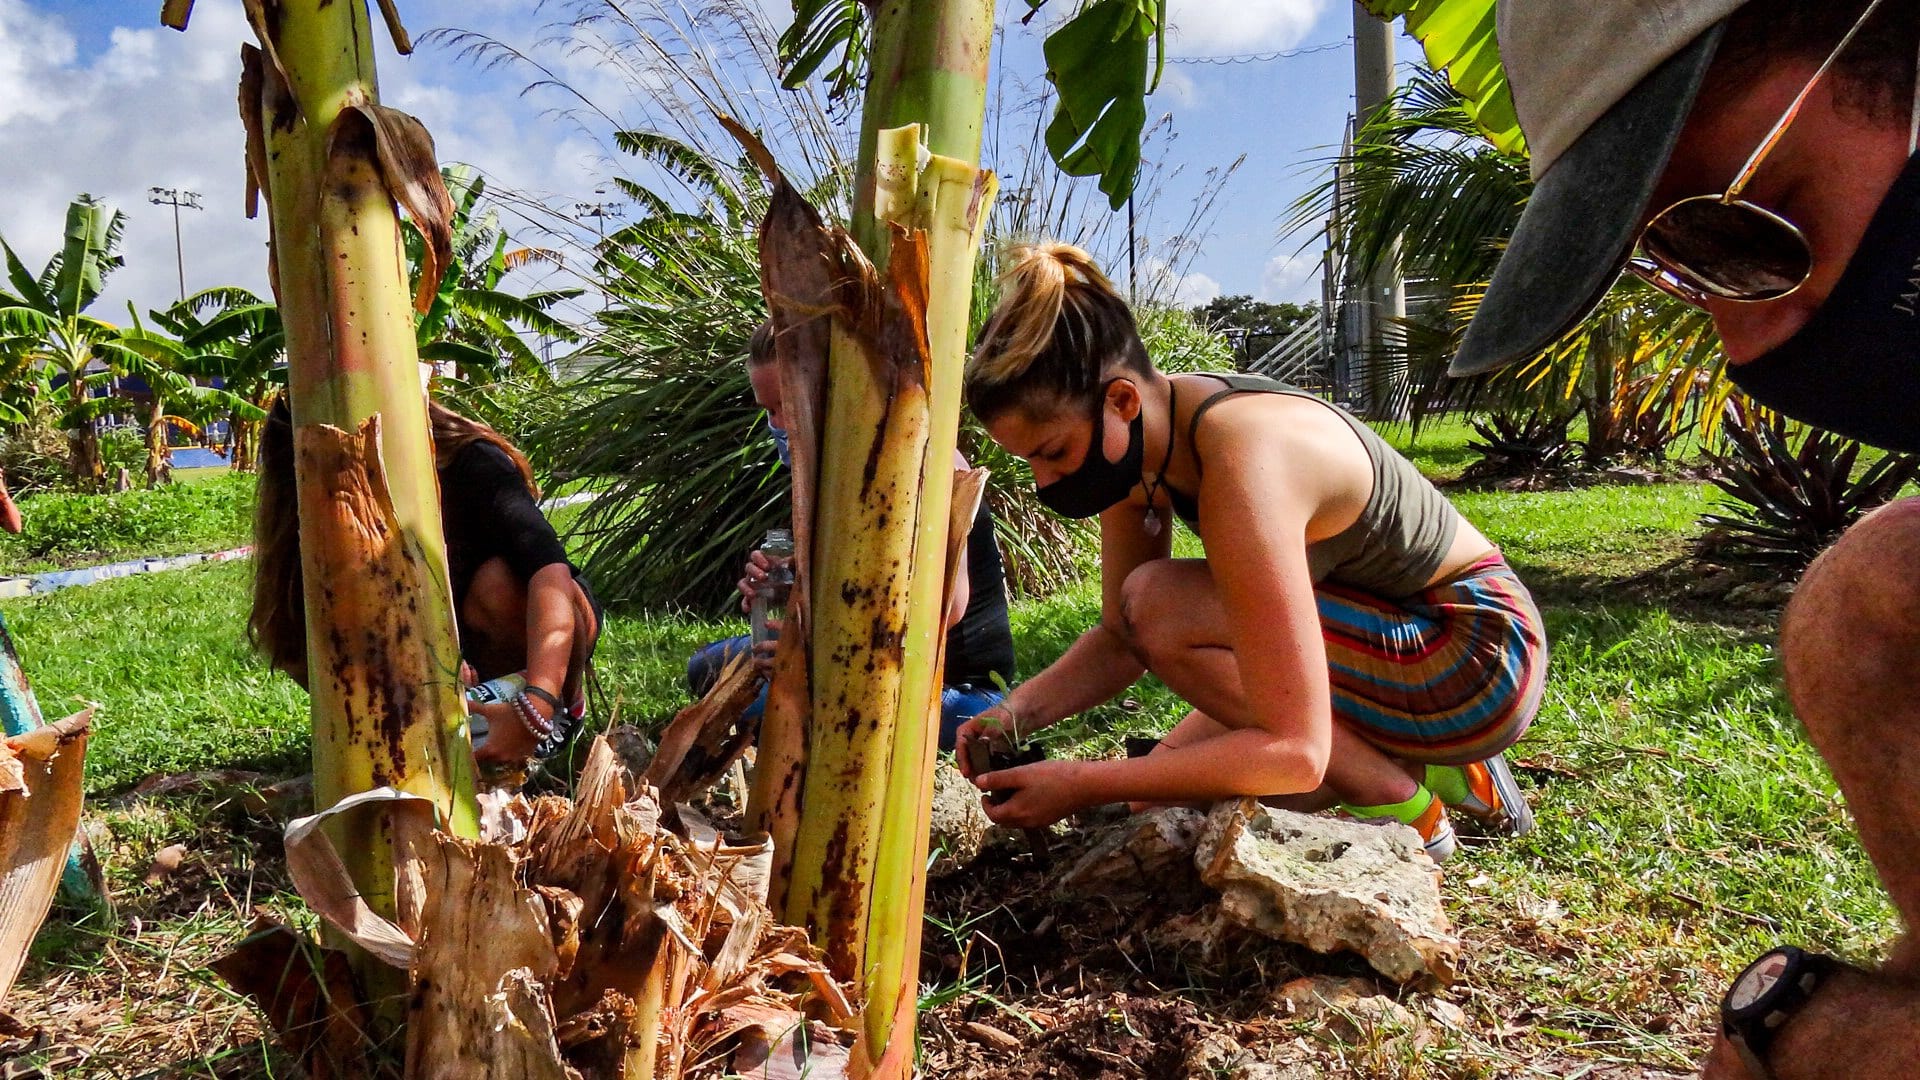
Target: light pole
{"x":599,"y":212}
{"x":176,"y":198}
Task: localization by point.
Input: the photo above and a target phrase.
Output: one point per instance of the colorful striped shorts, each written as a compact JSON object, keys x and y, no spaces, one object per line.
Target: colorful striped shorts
{"x":1449,"y":675}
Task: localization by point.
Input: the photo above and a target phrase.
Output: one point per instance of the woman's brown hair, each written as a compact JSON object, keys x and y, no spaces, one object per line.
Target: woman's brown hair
{"x":277,"y":625}
{"x":1058,"y":329}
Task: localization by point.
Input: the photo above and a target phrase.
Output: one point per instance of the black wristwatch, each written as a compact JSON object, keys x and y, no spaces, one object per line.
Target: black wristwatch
{"x":1765,"y":996}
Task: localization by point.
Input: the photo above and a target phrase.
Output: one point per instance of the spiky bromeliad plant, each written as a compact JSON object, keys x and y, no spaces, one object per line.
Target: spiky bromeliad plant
{"x":1790,"y":496}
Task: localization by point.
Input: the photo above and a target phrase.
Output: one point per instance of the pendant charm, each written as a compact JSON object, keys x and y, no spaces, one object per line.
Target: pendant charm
{"x":1152,"y":522}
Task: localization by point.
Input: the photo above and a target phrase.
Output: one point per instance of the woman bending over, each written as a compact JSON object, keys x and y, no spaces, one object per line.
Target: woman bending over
{"x":519,"y":605}
{"x":1348,"y":635}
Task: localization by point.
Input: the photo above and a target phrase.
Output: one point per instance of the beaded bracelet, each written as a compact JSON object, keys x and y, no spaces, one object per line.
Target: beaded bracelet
{"x":530,"y":716}
{"x":553,"y":701}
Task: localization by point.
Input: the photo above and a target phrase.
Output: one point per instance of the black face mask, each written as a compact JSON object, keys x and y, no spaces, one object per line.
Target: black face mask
{"x":1098,"y":483}
{"x":1854,"y":368}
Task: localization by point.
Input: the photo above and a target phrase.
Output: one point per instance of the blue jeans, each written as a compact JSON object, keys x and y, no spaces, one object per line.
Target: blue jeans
{"x":957,"y":703}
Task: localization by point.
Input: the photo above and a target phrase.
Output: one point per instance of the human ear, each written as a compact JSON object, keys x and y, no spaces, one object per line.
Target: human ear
{"x":1124,"y":396}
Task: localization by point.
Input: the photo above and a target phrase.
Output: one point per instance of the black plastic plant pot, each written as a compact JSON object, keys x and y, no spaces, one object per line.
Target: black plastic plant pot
{"x":983,"y":758}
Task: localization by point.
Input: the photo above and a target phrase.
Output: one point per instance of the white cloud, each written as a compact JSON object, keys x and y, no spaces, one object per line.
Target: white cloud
{"x":1213,"y":28}
{"x":1159,"y":284}
{"x":152,"y":108}
{"x":155,"y":108}
{"x":1194,"y":289}
{"x":1294,"y":278}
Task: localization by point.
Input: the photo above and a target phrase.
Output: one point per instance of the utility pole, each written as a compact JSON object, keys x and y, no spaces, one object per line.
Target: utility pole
{"x":176,"y":198}
{"x":1385,"y":294}
{"x":599,"y":212}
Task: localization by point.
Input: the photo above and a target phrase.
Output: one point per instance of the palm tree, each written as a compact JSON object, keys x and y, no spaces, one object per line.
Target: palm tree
{"x":1424,"y":175}
{"x":472,"y":323}
{"x":77,"y":358}
{"x":662,"y":410}
{"x":232,"y":335}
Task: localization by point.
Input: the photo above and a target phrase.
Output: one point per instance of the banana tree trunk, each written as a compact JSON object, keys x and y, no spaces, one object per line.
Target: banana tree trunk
{"x":159,"y":455}
{"x":83,"y":440}
{"x":382,"y":652}
{"x":239,"y":443}
{"x":846,"y":790}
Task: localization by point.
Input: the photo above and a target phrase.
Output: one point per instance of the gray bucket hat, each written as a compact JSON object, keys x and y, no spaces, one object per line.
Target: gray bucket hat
{"x":1602,"y":89}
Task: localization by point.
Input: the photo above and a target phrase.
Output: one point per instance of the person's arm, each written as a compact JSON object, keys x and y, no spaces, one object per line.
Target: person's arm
{"x":550,"y":630}
{"x":1257,"y":500}
{"x":533,"y":551}
{"x":962,"y":583}
{"x":9,"y":513}
{"x":1100,"y":663}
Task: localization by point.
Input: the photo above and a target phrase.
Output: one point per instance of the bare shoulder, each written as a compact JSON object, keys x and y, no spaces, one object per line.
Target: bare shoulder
{"x":1285,"y":429}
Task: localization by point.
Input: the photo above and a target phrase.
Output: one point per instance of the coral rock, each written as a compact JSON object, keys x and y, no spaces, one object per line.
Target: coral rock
{"x":1332,"y":886}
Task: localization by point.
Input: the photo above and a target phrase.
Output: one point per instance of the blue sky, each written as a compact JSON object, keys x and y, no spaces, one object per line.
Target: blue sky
{"x":95,"y":96}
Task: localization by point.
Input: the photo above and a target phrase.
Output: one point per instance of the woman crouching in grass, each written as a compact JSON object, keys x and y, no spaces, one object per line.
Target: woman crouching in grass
{"x":519,"y":605}
{"x":1348,"y":635}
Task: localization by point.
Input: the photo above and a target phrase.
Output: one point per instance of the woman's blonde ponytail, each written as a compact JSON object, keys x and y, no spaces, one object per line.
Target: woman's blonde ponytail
{"x":1058,"y":325}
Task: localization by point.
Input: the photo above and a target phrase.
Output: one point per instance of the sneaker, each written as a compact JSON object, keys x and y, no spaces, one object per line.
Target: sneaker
{"x":1494,"y":800}
{"x":1436,"y":832}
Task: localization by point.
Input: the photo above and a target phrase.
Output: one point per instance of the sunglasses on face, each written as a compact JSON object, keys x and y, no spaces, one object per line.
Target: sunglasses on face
{"x":1722,"y":247}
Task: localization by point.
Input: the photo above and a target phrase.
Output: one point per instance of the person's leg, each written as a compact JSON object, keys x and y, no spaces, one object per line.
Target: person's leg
{"x":1850,"y":644}
{"x":1178,"y":627}
{"x":705,"y":665}
{"x":1849,"y":647}
{"x":589,"y":623}
{"x":958,"y":704}
{"x":1446,"y":680}
{"x":494,"y":618}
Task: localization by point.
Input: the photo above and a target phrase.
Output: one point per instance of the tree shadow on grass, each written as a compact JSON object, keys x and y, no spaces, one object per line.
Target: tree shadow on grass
{"x":1747,"y":602}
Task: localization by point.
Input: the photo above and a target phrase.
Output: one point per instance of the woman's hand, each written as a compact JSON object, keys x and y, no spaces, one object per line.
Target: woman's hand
{"x":993,"y":726}
{"x":1043,"y":793}
{"x":758,"y":566}
{"x":765,"y":651}
{"x":509,"y":741}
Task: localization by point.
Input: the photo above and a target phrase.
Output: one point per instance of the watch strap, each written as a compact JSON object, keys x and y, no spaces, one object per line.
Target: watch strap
{"x":1755,"y":1062}
{"x":1752,"y":1037}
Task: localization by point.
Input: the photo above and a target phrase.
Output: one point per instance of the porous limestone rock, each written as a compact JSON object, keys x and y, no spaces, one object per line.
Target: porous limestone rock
{"x":1218,"y":1056}
{"x":1331,"y":885}
{"x":959,"y":825}
{"x":1149,"y":852}
{"x":1348,"y":1011}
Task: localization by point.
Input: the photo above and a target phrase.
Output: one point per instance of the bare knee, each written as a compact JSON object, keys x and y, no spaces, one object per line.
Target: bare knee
{"x":496,"y":601}
{"x":1144,"y":621}
{"x":1852,"y":629}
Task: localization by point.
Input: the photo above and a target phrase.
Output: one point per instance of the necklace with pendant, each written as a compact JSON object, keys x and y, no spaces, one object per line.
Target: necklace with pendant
{"x":1151,"y":522}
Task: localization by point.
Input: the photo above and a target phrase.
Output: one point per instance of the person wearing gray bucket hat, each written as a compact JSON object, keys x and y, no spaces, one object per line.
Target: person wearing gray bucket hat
{"x":1757,"y":158}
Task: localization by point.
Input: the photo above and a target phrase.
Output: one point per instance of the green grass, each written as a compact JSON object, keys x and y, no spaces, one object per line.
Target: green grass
{"x":1684,"y":822}
{"x":164,"y":657}
{"x":66,"y":530}
{"x":203,"y":475}
{"x":1589,"y":532}
{"x":1440,"y":447}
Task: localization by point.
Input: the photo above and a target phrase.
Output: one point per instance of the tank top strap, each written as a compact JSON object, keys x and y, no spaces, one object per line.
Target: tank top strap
{"x":1236,"y":383}
{"x":1187,"y":506}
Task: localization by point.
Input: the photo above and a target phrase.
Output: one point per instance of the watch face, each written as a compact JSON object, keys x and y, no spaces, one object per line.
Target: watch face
{"x":1754,"y":982}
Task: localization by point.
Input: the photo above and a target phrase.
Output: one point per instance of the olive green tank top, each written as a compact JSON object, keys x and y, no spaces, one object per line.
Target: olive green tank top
{"x":1400,"y":538}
